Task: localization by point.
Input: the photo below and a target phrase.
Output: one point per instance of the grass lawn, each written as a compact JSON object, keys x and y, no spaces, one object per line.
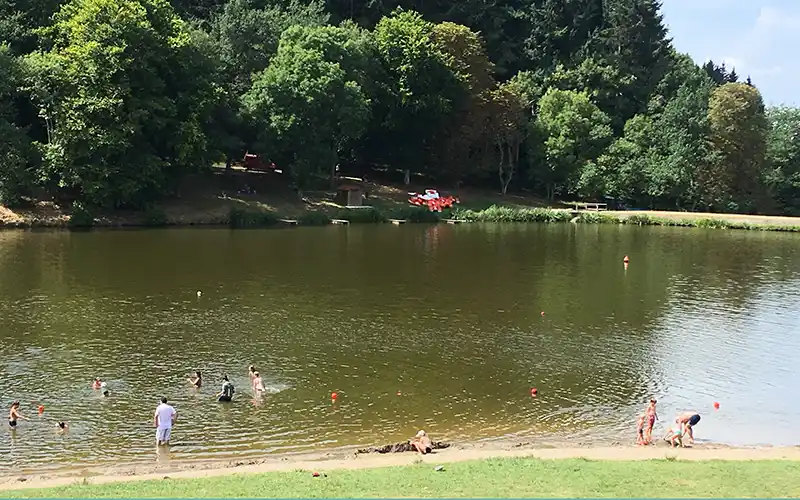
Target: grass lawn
{"x":515,"y":477}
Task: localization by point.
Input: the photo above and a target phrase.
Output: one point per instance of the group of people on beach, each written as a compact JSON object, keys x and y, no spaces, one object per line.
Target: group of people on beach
{"x":683,"y":426}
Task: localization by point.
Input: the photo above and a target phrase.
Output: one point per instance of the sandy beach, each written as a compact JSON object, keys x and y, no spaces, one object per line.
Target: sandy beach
{"x":337,"y":461}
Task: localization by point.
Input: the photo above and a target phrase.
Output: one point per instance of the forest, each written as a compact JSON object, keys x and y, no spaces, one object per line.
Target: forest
{"x":111,"y":103}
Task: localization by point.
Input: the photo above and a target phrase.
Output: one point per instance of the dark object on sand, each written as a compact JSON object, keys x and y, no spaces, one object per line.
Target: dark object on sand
{"x":402,"y":447}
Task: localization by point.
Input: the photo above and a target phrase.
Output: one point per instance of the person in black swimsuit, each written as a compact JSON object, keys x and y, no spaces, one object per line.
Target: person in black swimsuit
{"x":226,"y":395}
{"x":14,"y":415}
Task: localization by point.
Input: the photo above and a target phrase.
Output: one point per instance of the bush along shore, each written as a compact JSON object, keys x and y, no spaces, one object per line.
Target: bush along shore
{"x":249,"y":218}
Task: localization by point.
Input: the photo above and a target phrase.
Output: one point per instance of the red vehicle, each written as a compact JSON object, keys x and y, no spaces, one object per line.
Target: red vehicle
{"x":254,"y":162}
{"x":432,"y":199}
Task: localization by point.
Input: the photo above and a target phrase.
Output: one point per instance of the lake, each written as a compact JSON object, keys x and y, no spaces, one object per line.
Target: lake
{"x":438,"y":327}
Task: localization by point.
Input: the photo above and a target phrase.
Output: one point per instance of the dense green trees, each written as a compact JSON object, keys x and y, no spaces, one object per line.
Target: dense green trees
{"x":112,"y":102}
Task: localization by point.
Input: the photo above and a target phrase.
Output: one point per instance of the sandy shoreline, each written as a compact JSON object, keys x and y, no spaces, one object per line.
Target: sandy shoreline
{"x":351,"y":460}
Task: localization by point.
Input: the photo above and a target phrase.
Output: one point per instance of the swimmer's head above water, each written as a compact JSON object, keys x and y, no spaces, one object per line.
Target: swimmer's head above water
{"x":62,"y":425}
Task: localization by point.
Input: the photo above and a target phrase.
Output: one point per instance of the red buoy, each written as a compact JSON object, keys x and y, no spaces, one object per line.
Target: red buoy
{"x":534,"y":392}
{"x":334,"y":395}
{"x":716,"y":405}
{"x":41,"y":409}
{"x":399,"y":393}
{"x":542,"y":313}
{"x":626,"y":259}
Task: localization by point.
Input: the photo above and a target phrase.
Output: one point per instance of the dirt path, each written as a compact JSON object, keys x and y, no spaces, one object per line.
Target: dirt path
{"x":352,"y":461}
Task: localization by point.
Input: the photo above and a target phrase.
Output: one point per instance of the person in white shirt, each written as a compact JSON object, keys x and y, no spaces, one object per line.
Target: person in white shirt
{"x":163,"y":420}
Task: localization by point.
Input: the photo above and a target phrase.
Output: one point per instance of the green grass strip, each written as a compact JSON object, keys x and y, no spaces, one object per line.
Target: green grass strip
{"x":513,"y":477}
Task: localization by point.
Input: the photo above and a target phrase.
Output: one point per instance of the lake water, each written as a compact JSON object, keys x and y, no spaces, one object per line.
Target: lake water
{"x":449,"y":317}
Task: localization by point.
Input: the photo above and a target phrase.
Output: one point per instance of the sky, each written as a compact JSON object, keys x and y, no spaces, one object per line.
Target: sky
{"x":759,"y":38}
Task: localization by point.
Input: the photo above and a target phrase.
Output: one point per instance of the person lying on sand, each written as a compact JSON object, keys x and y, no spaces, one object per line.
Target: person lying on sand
{"x":689,"y":419}
{"x":422,"y":443}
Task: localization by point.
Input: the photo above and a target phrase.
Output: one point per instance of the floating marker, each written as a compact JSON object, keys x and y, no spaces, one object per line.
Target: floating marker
{"x":334,"y":396}
{"x":542,"y":313}
{"x":399,"y":393}
{"x":41,"y":409}
{"x":534,"y":392}
{"x":716,"y":405}
{"x":626,"y":259}
{"x":199,"y":293}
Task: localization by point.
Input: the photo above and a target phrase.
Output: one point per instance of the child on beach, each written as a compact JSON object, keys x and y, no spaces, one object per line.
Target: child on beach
{"x":674,"y":435}
{"x":640,"y":430}
{"x":652,"y":416}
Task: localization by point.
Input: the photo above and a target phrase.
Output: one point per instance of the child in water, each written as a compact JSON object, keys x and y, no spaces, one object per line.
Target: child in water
{"x":258,"y":384}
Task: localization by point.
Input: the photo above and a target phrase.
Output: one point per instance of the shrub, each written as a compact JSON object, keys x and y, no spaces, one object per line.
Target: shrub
{"x":80,"y":216}
{"x":314,"y":218}
{"x":154,"y":216}
{"x":239,"y":218}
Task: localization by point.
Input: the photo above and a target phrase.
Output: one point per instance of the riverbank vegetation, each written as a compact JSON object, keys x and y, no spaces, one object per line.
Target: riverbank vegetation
{"x":494,"y":478}
{"x":109,"y":106}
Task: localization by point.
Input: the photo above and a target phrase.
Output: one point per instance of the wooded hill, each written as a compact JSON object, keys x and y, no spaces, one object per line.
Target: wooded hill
{"x":112,"y":102}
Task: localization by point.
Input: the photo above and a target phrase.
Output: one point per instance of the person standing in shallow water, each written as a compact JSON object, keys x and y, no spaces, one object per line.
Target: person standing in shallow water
{"x":258,"y":385}
{"x":14,"y":415}
{"x":197,"y":380}
{"x":163,"y":420}
{"x":226,"y":395}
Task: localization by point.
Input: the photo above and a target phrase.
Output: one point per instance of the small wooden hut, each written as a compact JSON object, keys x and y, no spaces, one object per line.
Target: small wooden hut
{"x":350,"y":195}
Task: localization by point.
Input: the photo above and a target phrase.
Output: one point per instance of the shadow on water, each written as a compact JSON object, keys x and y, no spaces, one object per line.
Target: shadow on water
{"x":418,"y":326}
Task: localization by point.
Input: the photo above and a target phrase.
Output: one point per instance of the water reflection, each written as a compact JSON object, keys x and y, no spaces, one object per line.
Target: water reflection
{"x":698,"y":316}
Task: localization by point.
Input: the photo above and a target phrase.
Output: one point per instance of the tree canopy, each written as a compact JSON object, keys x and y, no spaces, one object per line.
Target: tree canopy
{"x":113,"y":102}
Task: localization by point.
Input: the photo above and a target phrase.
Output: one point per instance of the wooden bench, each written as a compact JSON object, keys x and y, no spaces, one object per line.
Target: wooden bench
{"x":593,"y":207}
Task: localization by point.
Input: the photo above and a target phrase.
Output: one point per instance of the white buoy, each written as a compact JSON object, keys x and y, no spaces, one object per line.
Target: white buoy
{"x":199,"y":293}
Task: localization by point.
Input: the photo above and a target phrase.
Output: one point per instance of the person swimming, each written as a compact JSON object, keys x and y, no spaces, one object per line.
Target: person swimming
{"x":197,"y":380}
{"x":252,"y":372}
{"x":14,"y":415}
{"x":97,"y":384}
{"x":106,"y":393}
{"x":62,"y":427}
{"x":258,"y":384}
{"x":226,"y":395}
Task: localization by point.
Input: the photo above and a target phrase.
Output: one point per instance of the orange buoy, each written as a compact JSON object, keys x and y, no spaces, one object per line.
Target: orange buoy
{"x":542,"y":313}
{"x":334,"y":396}
{"x":716,"y":405}
{"x":534,"y":392}
{"x":41,"y":409}
{"x":626,"y":259}
{"x":399,"y":393}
